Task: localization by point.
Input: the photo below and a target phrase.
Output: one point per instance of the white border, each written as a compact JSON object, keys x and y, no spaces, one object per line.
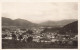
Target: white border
{"x":41,"y":1}
{"x":78,"y":24}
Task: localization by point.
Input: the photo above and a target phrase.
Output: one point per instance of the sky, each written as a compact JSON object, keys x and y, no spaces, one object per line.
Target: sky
{"x":40,"y":12}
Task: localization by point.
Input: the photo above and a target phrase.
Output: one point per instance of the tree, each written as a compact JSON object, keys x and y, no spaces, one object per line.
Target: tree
{"x":29,"y":39}
{"x":13,"y":36}
{"x":30,"y":31}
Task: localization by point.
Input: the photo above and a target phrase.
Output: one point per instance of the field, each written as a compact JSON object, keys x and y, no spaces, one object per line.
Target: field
{"x":10,"y":44}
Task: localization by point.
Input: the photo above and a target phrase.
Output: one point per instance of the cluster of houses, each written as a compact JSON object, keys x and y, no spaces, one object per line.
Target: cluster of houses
{"x":36,"y":35}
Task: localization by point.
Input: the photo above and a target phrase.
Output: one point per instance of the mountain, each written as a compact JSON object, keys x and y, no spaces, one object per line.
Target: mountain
{"x":25,"y":23}
{"x":16,"y":22}
{"x":71,"y":28}
{"x":7,"y":21}
{"x":58,"y":23}
{"x":22,"y":22}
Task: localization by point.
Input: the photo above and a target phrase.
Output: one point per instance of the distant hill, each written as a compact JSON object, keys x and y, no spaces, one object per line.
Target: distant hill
{"x":58,"y":23}
{"x":16,"y":22}
{"x":7,"y":21}
{"x":71,"y":28}
{"x":22,"y":22}
{"x":25,"y":23}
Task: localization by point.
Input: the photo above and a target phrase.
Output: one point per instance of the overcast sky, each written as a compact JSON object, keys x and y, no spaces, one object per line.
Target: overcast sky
{"x":40,"y":12}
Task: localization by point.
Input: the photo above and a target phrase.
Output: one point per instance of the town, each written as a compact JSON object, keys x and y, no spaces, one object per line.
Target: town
{"x":37,"y":35}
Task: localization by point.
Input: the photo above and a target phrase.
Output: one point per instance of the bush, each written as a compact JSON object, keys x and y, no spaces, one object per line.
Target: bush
{"x":29,"y":39}
{"x":3,"y":36}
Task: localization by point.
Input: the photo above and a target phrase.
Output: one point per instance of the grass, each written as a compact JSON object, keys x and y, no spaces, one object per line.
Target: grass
{"x":11,"y":44}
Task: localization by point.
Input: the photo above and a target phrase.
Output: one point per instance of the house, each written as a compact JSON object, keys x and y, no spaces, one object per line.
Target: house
{"x":8,"y":38}
{"x":36,"y":39}
{"x":54,"y":39}
{"x":45,"y":40}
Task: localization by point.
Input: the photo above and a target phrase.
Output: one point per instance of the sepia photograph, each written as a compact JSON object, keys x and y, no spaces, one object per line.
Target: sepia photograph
{"x":43,"y":25}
